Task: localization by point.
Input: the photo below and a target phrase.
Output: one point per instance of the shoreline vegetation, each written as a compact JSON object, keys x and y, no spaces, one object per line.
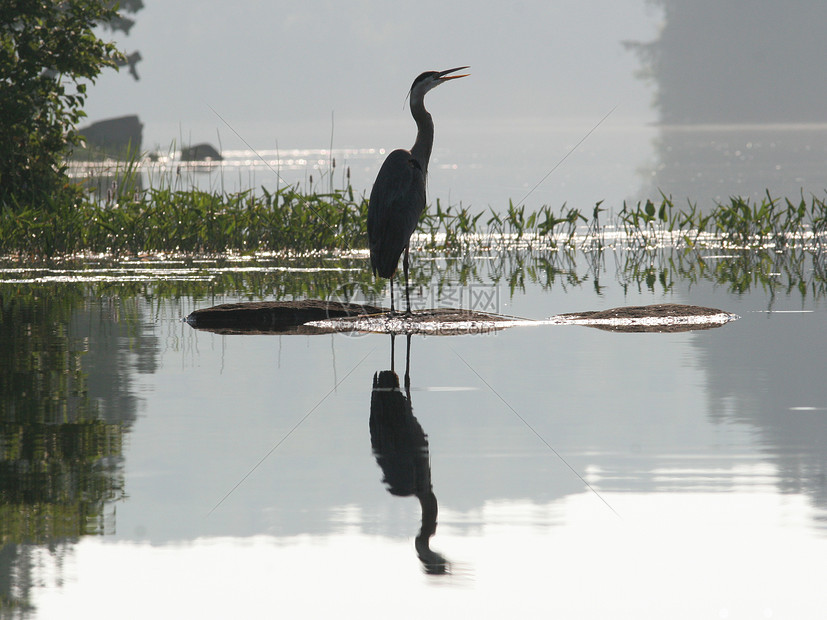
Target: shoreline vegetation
{"x":225,"y":243}
{"x":168,"y":219}
{"x":291,"y":222}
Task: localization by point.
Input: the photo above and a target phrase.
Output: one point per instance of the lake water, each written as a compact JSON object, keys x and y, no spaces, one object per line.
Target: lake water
{"x":153,"y":470}
{"x":540,"y":162}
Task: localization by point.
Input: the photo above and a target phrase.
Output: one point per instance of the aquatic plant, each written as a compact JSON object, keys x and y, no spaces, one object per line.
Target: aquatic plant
{"x":130,"y":220}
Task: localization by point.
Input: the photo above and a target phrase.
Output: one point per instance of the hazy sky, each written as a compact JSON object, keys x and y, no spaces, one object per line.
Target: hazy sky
{"x":276,"y":70}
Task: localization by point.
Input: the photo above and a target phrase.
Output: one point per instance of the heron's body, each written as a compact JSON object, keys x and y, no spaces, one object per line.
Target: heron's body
{"x":398,"y":196}
{"x":394,"y":210}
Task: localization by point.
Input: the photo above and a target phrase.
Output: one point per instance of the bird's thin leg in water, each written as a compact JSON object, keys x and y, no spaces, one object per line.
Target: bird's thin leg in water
{"x":408,"y":367}
{"x":392,"y":312}
{"x":407,"y":288}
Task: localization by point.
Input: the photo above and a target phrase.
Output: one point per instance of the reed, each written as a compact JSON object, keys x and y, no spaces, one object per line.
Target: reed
{"x":129,"y":220}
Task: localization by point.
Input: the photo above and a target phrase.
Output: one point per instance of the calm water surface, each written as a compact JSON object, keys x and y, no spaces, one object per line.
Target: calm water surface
{"x":543,"y":162}
{"x":149,"y":469}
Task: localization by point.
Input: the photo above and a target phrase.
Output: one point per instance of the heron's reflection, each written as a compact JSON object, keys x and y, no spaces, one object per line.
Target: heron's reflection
{"x":401,"y":450}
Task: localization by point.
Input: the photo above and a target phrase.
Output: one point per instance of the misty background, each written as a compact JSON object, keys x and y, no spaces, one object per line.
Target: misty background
{"x":543,"y":76}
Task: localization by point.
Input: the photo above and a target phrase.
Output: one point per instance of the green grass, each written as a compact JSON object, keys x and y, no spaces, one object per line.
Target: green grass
{"x":168,"y":219}
{"x":193,"y":221}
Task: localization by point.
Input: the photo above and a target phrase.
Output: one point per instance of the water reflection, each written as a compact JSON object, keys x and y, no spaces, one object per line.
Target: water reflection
{"x":470,"y":278}
{"x":66,"y":407}
{"x":731,"y":416}
{"x":401,"y":450}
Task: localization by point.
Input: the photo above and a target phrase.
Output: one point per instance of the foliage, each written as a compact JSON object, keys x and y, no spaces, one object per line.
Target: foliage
{"x":48,"y":52}
{"x":121,"y":21}
{"x":131,"y":221}
{"x":193,"y":221}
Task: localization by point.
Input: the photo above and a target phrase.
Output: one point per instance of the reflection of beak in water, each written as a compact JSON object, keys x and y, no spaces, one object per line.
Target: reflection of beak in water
{"x":401,"y":450}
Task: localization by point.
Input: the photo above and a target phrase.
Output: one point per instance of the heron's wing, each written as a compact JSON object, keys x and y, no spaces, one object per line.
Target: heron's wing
{"x":396,"y":202}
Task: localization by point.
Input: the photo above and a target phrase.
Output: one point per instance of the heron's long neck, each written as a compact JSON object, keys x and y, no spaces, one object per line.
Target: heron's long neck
{"x":421,"y":150}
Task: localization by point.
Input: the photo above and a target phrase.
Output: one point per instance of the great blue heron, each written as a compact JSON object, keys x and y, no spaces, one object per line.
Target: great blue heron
{"x":398,"y":196}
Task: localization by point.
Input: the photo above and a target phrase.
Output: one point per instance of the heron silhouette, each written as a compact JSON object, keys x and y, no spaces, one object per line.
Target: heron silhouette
{"x":400,"y":447}
{"x":398,"y":195}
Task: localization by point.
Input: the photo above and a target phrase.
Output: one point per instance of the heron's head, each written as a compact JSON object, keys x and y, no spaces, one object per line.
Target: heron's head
{"x":431,"y":79}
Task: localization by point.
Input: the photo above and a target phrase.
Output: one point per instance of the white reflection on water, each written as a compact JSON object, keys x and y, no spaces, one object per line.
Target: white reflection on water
{"x":410,"y":325}
{"x":671,"y":556}
{"x":164,"y":271}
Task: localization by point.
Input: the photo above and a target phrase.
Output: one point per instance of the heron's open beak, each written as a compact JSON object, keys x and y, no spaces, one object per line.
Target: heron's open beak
{"x":443,"y":75}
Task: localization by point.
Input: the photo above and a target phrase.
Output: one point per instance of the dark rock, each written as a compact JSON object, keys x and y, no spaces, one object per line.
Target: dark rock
{"x":289,"y":317}
{"x":114,"y":135}
{"x":274,"y":317}
{"x":200,"y":152}
{"x":662,"y":311}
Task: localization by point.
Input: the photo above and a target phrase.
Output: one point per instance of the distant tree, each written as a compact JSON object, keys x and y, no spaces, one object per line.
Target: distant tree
{"x":48,"y":53}
{"x":124,"y":24}
{"x":739,"y":61}
{"x":121,"y":22}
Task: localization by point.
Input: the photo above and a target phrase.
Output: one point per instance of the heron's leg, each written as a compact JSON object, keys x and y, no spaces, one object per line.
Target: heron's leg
{"x":408,"y":367}
{"x":407,"y":288}
{"x":392,"y":312}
